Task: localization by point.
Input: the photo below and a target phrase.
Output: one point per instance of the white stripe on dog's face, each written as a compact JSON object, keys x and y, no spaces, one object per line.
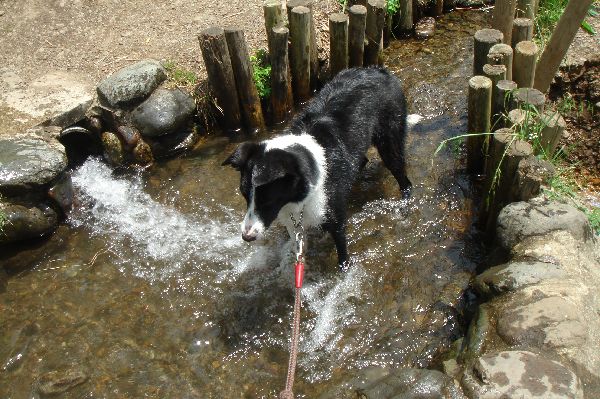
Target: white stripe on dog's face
{"x":252,"y":227}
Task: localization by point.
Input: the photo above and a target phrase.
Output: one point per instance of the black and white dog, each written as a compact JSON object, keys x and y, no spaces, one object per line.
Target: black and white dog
{"x":312,"y":167}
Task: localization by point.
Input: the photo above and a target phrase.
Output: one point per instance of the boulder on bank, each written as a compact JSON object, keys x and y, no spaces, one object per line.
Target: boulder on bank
{"x":538,"y":217}
{"x":519,"y":374}
{"x":131,"y":84}
{"x":29,"y":162}
{"x":164,"y":112}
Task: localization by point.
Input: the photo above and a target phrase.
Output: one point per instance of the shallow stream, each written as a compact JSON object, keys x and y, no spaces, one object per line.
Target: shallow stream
{"x":149,"y":290}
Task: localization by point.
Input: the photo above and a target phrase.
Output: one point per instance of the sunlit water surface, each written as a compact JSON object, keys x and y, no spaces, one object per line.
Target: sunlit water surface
{"x":149,"y":290}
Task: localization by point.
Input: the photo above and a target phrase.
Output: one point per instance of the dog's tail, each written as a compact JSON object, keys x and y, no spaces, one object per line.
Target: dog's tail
{"x":413,"y":119}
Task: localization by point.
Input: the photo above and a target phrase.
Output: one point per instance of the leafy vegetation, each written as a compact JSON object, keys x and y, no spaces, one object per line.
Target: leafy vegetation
{"x":261,"y":73}
{"x":549,"y":13}
{"x":180,"y":76}
{"x":391,"y":6}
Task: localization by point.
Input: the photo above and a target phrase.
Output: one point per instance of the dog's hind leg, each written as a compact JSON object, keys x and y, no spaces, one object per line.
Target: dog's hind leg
{"x":390,"y":146}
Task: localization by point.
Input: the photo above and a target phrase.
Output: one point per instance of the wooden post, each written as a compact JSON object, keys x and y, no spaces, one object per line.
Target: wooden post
{"x":220,"y":76}
{"x":524,"y":62}
{"x":495,"y":73}
{"x":522,"y":31}
{"x":281,"y":98}
{"x":300,"y":53}
{"x":480,"y":105}
{"x":532,"y":172}
{"x":356,"y":34}
{"x":374,"y":30}
{"x":554,"y":127}
{"x":502,"y":102}
{"x":527,"y":8}
{"x":273,"y":17}
{"x":505,"y":154}
{"x":484,"y":40}
{"x":438,"y":10}
{"x":502,"y":54}
{"x":559,"y":43}
{"x":502,"y":20}
{"x":252,"y":114}
{"x":314,"y":51}
{"x":528,"y":98}
{"x":517,"y":117}
{"x":406,"y":16}
{"x":338,"y":43}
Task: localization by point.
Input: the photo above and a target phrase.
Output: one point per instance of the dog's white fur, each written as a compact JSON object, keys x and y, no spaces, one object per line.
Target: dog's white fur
{"x":313,"y":206}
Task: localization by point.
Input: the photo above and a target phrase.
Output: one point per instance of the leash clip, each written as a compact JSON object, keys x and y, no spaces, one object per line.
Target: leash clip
{"x":299,"y":246}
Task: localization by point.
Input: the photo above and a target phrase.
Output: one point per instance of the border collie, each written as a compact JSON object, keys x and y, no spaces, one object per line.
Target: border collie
{"x":311,"y":168}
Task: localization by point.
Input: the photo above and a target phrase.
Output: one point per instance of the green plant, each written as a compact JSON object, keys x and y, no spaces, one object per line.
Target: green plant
{"x":179,"y":76}
{"x":392,"y":7}
{"x":261,"y":73}
{"x":547,"y":17}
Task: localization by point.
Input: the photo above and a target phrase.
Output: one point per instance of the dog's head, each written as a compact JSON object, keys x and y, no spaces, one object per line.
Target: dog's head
{"x":269,"y":180}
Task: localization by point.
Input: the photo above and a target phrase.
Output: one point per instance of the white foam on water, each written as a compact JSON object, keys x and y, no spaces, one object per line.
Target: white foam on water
{"x":120,"y":209}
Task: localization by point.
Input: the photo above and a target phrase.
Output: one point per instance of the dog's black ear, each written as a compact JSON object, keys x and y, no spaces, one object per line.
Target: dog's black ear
{"x":241,"y":155}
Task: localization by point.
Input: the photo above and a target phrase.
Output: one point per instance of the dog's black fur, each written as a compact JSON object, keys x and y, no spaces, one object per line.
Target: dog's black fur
{"x":359,"y":107}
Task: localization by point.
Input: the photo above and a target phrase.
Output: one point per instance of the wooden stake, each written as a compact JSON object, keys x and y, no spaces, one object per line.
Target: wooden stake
{"x":356,"y":34}
{"x":220,"y":76}
{"x":281,"y":92}
{"x":528,"y":99}
{"x":480,"y":105}
{"x":532,"y":172}
{"x":374,"y":30}
{"x":484,"y":40}
{"x":250,"y":106}
{"x":300,"y":53}
{"x":314,"y":51}
{"x":559,"y":42}
{"x":406,"y":16}
{"x":527,"y":8}
{"x":502,"y":102}
{"x":504,"y":13}
{"x":524,"y":62}
{"x":502,"y":54}
{"x":522,"y":31}
{"x":554,"y":127}
{"x":273,"y":17}
{"x":495,"y":73}
{"x":338,"y":43}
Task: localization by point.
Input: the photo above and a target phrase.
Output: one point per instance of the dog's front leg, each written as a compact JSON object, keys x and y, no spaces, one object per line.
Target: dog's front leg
{"x":338,"y":232}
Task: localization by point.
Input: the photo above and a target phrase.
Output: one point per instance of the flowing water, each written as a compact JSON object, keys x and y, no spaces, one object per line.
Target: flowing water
{"x":149,"y":290}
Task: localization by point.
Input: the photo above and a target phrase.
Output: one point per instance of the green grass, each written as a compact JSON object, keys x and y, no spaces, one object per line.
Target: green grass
{"x":391,"y":6}
{"x":180,"y":76}
{"x":547,"y":17}
{"x":261,"y":73}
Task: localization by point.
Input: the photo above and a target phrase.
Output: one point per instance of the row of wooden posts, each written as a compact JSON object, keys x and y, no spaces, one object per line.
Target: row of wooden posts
{"x":355,"y":40}
{"x":506,"y":94}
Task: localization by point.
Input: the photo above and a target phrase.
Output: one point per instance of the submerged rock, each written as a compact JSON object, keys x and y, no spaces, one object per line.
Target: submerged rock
{"x":19,"y":349}
{"x":425,"y":28}
{"x":26,"y":222}
{"x":165,"y":146}
{"x":29,"y":162}
{"x":62,"y":192}
{"x":113,"y":149}
{"x":142,"y":153}
{"x":131,"y":84}
{"x":519,"y":374}
{"x":164,"y":112}
{"x":55,"y":382}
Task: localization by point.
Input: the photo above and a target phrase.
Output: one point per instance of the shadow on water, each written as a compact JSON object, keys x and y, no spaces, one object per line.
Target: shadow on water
{"x":150,"y":292}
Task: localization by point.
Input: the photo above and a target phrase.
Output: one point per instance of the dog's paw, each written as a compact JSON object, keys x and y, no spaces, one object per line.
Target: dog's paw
{"x":344,"y":266}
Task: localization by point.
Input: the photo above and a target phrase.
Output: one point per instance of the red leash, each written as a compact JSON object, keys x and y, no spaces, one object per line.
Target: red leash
{"x":287,"y":393}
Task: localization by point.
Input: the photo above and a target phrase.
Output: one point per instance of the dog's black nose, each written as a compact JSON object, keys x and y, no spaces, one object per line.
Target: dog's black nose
{"x":248,"y":237}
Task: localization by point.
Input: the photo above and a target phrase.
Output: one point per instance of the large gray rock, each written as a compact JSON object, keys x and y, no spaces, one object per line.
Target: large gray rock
{"x":519,"y":374}
{"x":56,"y":98}
{"x":164,"y":112}
{"x":515,"y":275}
{"x":26,"y":222}
{"x":29,"y":162}
{"x":537,"y":217}
{"x":131,"y":84}
{"x":552,"y":322}
{"x":378,"y":383}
